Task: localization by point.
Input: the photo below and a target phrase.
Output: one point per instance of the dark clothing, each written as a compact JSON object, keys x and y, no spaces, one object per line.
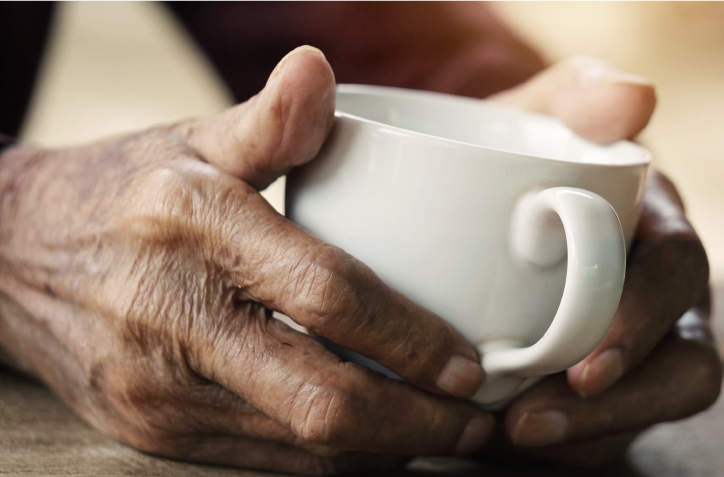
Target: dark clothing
{"x":23,"y":31}
{"x":456,"y":48}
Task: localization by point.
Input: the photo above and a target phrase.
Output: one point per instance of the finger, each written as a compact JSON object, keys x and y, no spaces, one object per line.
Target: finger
{"x":667,"y":272}
{"x":595,"y":99}
{"x":322,"y":288}
{"x":281,"y":127}
{"x":276,"y":263}
{"x":302,"y":386}
{"x":319,"y":286}
{"x":682,"y":376}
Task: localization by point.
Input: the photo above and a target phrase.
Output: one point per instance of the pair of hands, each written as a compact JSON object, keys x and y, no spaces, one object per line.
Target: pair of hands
{"x":139,"y":274}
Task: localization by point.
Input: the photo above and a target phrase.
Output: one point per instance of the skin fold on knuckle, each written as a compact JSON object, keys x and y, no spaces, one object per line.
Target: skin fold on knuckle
{"x":338,"y":297}
{"x":343,"y":300}
{"x":324,"y":413}
{"x":186,"y":194}
{"x":179,"y":193}
{"x":327,"y":287}
{"x":229,"y":348}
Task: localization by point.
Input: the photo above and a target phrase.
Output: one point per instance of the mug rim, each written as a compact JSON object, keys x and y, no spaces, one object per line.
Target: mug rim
{"x":389,"y":91}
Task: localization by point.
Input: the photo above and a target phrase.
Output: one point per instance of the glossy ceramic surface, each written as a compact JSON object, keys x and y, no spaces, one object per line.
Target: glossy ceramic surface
{"x":482,"y":213}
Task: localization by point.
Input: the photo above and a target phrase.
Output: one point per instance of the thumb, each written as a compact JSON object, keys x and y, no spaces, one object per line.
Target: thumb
{"x":281,"y":127}
{"x":595,"y":99}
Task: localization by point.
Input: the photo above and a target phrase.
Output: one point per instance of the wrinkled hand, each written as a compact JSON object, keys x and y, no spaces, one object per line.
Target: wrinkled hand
{"x":658,"y":361}
{"x":138,"y":278}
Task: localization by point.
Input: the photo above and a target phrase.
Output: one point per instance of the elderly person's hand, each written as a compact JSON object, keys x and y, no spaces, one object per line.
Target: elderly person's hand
{"x":658,"y":361}
{"x":138,"y":277}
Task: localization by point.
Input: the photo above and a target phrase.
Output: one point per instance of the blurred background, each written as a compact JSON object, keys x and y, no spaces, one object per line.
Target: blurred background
{"x":115,"y":67}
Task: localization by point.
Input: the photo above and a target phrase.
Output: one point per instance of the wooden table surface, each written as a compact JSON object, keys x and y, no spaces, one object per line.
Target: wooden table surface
{"x":40,"y":436}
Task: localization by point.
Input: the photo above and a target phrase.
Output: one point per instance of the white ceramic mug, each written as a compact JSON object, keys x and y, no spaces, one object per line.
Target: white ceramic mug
{"x":501,"y":221}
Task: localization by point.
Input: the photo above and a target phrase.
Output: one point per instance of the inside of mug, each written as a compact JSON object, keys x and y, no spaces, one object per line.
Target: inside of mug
{"x":480,"y":123}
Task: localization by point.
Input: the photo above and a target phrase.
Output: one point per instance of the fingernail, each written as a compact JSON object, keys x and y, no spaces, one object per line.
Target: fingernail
{"x":603,"y":370}
{"x":280,"y":65}
{"x":540,"y":428}
{"x":460,"y":377}
{"x":475,"y":434}
{"x":611,"y":77}
{"x":627,"y":78}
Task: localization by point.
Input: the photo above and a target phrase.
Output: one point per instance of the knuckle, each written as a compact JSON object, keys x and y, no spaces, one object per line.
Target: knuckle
{"x":325,"y":415}
{"x":186,"y":189}
{"x":185,"y":201}
{"x":161,"y":201}
{"x":165,"y":192}
{"x":330,"y":285}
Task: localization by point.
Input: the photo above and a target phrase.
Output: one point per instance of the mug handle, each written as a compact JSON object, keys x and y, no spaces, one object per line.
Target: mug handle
{"x":594,"y":280}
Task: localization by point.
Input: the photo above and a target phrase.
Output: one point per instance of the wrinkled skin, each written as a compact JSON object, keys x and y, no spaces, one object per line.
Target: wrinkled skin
{"x":658,"y":361}
{"x":138,"y":276}
{"x":138,"y":279}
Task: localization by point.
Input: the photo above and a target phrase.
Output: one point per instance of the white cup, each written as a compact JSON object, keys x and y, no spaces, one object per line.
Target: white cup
{"x":501,"y":221}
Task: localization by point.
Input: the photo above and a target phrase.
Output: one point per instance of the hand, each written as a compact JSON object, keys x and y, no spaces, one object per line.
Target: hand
{"x":139,"y":274}
{"x":658,"y":361}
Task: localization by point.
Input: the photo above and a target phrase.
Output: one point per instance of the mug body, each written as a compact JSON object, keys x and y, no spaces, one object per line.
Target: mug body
{"x":423,"y":188}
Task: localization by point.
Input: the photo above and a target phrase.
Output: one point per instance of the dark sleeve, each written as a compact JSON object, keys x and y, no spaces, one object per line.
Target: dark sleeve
{"x":23,"y":32}
{"x":459,"y":48}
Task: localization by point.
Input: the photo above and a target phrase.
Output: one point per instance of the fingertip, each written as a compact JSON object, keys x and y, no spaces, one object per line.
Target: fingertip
{"x":282,"y":127}
{"x":302,"y":89}
{"x":574,"y":375}
{"x":615,"y":107}
{"x":305,"y":76}
{"x":461,"y":376}
{"x":312,"y":54}
{"x":475,"y":434}
{"x":592,"y":97}
{"x":595,"y":375}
